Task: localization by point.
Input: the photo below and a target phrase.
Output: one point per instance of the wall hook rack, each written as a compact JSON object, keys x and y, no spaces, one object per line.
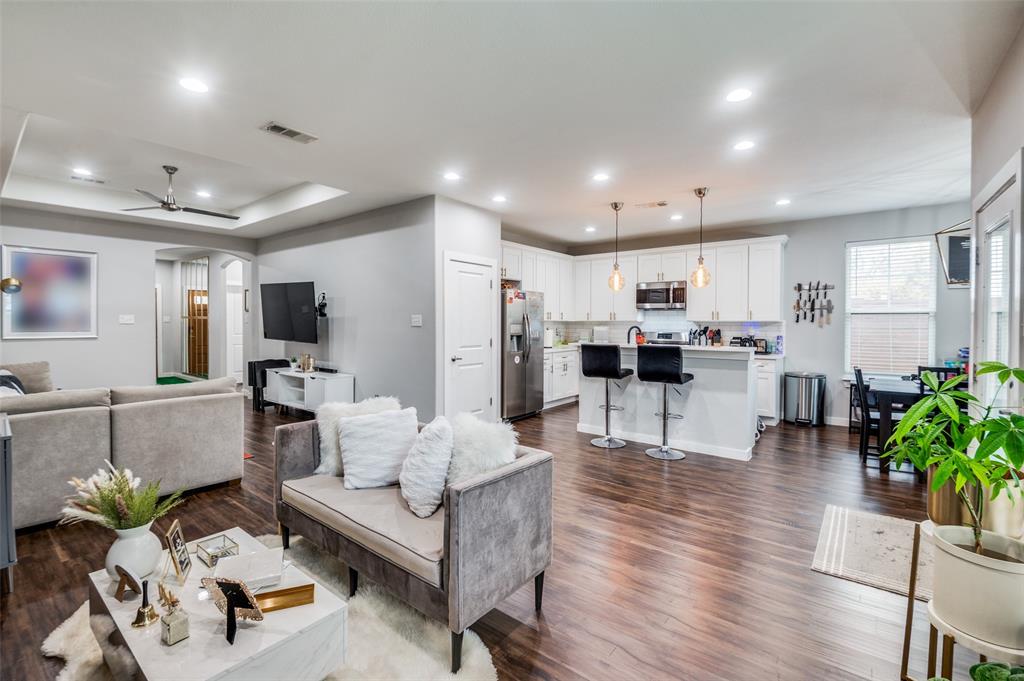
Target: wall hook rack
{"x":813,"y":302}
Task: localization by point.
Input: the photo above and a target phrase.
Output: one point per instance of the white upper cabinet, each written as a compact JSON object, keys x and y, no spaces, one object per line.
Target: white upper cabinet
{"x":511,"y":262}
{"x":648,"y":267}
{"x":661,"y":266}
{"x":765,"y":282}
{"x":528,"y":279}
{"x":581,"y":290}
{"x":673,"y":266}
{"x":601,"y":300}
{"x":547,"y":283}
{"x":566,"y":290}
{"x":624,"y":301}
{"x":732,"y":275}
{"x":700,"y":302}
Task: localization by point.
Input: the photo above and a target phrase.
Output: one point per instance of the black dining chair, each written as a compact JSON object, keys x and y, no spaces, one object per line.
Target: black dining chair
{"x":942,"y":373}
{"x":868,"y":416}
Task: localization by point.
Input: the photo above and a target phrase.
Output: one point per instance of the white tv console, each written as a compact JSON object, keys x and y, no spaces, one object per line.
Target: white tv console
{"x":308,"y":390}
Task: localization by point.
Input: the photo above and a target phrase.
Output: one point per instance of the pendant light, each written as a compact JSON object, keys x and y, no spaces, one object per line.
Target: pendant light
{"x":616,"y":281}
{"x":701,"y":277}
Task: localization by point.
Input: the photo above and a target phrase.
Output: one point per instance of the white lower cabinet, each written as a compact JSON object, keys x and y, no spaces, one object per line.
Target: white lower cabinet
{"x":561,"y":375}
{"x":769,"y":388}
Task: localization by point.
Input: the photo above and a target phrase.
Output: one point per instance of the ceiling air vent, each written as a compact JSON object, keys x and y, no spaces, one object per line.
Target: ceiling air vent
{"x":94,"y":180}
{"x":275,"y":128}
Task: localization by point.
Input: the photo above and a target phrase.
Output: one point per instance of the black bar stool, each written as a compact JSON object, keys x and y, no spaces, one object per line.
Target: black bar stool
{"x":603,"y":360}
{"x":662,"y":364}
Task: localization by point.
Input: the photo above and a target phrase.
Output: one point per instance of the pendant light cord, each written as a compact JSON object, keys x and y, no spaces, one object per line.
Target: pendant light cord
{"x":701,"y":226}
{"x":616,"y":237}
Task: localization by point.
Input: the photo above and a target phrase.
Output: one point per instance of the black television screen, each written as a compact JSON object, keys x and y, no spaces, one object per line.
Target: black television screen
{"x":289,"y":311}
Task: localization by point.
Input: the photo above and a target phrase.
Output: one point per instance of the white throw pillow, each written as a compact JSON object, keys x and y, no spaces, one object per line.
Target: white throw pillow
{"x":327,"y":423}
{"x":373,"y":447}
{"x":480,"y":447}
{"x":426,"y":468}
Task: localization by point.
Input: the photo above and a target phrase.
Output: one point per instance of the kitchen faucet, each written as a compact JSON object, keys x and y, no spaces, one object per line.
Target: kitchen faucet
{"x":630,"y":330}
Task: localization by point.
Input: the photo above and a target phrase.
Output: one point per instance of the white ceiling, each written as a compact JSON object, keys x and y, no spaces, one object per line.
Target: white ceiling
{"x":857,"y":106}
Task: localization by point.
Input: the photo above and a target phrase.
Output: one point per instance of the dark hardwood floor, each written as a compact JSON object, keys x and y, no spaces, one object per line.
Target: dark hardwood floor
{"x":695,"y":569}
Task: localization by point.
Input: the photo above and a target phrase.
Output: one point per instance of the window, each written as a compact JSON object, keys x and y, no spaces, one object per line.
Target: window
{"x":890,"y":305}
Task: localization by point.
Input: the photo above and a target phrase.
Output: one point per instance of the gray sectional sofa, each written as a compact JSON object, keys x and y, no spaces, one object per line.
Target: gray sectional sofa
{"x":492,"y":535}
{"x":187,"y":436}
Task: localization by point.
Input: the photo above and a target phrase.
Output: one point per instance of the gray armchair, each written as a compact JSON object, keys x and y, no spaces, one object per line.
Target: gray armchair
{"x":491,"y":536}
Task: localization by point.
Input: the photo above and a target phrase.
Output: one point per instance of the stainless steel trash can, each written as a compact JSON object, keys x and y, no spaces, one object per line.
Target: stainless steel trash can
{"x":804,"y":398}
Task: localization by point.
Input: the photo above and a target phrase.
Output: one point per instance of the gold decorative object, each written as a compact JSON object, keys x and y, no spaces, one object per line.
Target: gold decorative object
{"x":146,"y":614}
{"x":177,"y":549}
{"x":307,"y":363}
{"x":167,"y":598}
{"x":174,"y":627}
{"x":287,"y":597}
{"x":211,"y":550}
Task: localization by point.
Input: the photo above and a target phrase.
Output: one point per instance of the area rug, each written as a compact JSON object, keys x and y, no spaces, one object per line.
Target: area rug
{"x":386,"y":638}
{"x":872,"y":549}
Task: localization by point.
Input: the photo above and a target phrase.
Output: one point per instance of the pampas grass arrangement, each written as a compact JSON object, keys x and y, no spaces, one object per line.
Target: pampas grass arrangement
{"x":113,"y":498}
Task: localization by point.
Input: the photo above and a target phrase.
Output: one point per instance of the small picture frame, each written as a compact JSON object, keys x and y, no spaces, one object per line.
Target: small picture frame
{"x":233,"y":599}
{"x":177,"y":549}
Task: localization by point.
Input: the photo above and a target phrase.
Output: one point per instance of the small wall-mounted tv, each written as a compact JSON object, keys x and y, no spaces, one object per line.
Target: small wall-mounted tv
{"x":289,"y":311}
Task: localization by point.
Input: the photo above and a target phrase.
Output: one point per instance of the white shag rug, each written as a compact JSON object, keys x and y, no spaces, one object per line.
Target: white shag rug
{"x":386,"y":638}
{"x":872,"y":549}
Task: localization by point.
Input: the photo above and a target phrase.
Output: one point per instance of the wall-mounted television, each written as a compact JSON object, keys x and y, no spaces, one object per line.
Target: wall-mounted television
{"x":289,"y":311}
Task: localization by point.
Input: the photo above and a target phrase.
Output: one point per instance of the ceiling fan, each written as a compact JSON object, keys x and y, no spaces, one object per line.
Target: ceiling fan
{"x":167,"y":203}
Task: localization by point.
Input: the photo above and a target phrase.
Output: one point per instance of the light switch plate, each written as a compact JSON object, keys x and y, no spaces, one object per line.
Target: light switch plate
{"x":416,"y":320}
{"x":125,"y":319}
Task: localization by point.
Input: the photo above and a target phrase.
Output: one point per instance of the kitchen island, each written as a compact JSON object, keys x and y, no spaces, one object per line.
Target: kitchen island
{"x":718,"y":406}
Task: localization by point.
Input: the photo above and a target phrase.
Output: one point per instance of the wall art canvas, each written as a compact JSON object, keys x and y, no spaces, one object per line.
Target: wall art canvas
{"x":58,"y":295}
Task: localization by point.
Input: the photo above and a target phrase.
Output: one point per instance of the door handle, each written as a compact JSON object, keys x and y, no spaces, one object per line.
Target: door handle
{"x":456,"y":358}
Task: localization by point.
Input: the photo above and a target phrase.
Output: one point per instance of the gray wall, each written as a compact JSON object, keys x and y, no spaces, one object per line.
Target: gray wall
{"x":997,"y":125}
{"x":817,"y":250}
{"x":377,"y":269}
{"x":122,"y":354}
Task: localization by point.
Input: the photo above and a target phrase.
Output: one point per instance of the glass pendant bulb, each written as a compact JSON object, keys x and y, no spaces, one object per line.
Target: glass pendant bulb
{"x":701,"y":276}
{"x":616,"y":281}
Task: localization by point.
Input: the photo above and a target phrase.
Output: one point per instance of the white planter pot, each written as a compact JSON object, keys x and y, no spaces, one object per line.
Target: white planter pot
{"x":1005,"y":514}
{"x":978,"y":595}
{"x":137,"y":549}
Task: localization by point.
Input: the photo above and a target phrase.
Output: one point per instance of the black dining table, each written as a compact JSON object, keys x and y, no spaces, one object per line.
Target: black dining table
{"x":891,"y":395}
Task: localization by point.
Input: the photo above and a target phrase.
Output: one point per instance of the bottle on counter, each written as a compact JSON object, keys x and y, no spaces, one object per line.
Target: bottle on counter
{"x":778,"y":345}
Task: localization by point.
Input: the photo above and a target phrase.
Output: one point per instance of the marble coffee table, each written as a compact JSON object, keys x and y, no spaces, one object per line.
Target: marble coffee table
{"x":303,"y":642}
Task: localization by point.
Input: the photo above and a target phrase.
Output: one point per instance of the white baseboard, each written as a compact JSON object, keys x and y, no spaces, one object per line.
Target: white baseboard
{"x":685,"y":445}
{"x":837,"y":421}
{"x":559,"y":403}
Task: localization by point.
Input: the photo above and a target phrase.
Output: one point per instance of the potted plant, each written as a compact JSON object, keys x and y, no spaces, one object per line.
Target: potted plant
{"x":114,"y":498}
{"x":294,"y":361}
{"x":978,"y":449}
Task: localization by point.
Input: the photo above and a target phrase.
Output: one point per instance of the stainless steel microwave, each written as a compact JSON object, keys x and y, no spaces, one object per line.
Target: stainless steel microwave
{"x":661,"y":295}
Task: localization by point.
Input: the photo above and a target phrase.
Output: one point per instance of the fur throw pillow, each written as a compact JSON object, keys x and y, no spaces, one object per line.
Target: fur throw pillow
{"x":480,"y":447}
{"x":327,"y":422}
{"x":374,"y":446}
{"x":426,"y":468}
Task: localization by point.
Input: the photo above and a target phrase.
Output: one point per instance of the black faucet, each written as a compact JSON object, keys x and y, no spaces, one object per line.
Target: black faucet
{"x":630,"y":330}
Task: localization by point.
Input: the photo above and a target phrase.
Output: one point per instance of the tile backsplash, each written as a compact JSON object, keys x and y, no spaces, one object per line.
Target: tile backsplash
{"x":651,"y":321}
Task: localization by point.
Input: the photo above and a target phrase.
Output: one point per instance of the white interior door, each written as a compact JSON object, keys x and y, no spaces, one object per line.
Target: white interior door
{"x":235,"y":333}
{"x":470,"y":306}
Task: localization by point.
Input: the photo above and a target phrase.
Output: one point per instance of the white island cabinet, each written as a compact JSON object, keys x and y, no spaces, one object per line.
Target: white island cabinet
{"x":718,"y":406}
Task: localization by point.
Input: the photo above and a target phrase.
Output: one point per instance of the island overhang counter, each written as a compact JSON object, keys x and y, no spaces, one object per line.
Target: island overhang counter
{"x":719,"y":406}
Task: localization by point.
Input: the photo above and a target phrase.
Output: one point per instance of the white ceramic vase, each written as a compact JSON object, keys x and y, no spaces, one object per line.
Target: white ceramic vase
{"x":978,"y":595}
{"x":137,"y":549}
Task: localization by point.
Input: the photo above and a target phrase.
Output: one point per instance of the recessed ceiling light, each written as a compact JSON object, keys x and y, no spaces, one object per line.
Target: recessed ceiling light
{"x":84,"y":172}
{"x":738,"y":95}
{"x":600,"y":177}
{"x":193,"y":85}
{"x":203,"y":193}
{"x":452,"y":176}
{"x":782,"y":202}
{"x":498,"y":198}
{"x":743,"y":145}
{"x":590,"y":228}
{"x":677,"y":216}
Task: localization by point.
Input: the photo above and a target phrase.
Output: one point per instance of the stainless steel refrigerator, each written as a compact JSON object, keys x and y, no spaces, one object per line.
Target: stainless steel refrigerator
{"x":522,"y":353}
